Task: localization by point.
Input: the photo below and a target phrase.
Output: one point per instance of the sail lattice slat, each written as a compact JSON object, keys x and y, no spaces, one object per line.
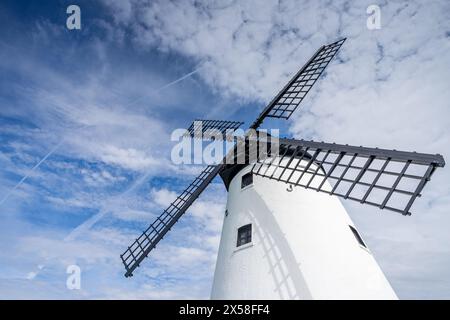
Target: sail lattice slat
{"x":388,"y":179}
{"x":219,"y":129}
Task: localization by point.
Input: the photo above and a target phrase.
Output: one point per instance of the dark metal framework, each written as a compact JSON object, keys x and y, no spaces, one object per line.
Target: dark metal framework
{"x":288,"y":99}
{"x":388,"y":179}
{"x":141,"y":247}
{"x":206,"y":128}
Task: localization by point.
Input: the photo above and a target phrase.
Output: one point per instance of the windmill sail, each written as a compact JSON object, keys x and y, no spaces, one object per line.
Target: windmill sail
{"x":217,"y":128}
{"x":289,"y":98}
{"x":387,"y":179}
{"x":141,"y":247}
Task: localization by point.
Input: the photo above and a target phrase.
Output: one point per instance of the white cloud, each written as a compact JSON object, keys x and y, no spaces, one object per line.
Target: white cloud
{"x":249,"y":49}
{"x":209,"y":214}
{"x":163,"y":197}
{"x":100,"y":178}
{"x":31,"y":275}
{"x":127,"y":158}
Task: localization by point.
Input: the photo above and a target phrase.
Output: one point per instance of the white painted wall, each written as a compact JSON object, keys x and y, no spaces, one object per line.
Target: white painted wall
{"x":302,"y":247}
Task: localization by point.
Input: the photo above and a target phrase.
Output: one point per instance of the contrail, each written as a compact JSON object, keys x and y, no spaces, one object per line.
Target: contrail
{"x":87,"y":224}
{"x":187,"y":75}
{"x":24,"y":178}
{"x":180,"y":79}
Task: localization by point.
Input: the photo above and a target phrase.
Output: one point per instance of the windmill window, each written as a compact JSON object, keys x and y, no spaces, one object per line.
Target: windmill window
{"x":247,"y":180}
{"x":244,"y":235}
{"x":358,"y":237}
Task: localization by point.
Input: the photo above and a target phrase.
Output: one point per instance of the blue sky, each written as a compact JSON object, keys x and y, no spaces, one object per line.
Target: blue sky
{"x":93,"y":96}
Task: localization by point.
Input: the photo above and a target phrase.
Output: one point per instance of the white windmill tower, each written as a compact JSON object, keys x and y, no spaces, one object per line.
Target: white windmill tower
{"x":283,"y":236}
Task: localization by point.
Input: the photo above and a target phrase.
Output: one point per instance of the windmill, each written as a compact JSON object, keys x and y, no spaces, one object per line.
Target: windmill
{"x":283,"y":236}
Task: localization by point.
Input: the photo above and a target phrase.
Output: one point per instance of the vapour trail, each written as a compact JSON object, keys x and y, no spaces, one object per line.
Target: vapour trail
{"x":157,"y":90}
{"x":87,"y":224}
{"x":24,"y":178}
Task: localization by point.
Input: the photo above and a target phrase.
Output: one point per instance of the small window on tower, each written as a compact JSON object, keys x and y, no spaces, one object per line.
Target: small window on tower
{"x":358,"y":237}
{"x":244,"y":235}
{"x":247,"y":179}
